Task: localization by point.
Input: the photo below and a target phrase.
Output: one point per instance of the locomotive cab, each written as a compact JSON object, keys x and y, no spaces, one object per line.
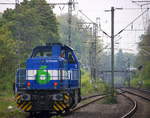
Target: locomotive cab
{"x":50,"y":81}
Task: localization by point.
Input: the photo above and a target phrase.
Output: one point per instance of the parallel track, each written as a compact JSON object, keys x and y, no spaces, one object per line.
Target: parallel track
{"x":99,"y":97}
{"x":92,"y":96}
{"x":92,"y":101}
{"x":127,"y":115}
{"x":134,"y":108}
{"x":138,"y":95}
{"x":142,"y":90}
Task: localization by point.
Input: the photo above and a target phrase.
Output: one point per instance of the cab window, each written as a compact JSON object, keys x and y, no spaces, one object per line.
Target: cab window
{"x":42,"y":53}
{"x":71,"y":59}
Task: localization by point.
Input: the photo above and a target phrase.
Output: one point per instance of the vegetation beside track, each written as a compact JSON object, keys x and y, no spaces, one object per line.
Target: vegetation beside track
{"x":88,"y":87}
{"x":142,"y":79}
{"x":8,"y":107}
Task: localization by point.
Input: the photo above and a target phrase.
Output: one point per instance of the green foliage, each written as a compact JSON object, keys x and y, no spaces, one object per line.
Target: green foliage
{"x":110,"y":100}
{"x":78,"y":37}
{"x":0,"y":15}
{"x":5,"y":102}
{"x":33,"y":23}
{"x":30,"y":24}
{"x":144,"y":45}
{"x":142,"y":79}
{"x":7,"y":58}
{"x":139,"y":83}
{"x":145,"y":74}
{"x":88,"y":87}
{"x":120,"y":61}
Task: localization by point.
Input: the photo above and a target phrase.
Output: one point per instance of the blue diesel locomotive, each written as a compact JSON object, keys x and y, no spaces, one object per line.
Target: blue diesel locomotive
{"x":50,"y":80}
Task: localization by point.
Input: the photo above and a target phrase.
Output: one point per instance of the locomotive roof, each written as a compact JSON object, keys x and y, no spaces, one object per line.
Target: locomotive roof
{"x":51,"y":44}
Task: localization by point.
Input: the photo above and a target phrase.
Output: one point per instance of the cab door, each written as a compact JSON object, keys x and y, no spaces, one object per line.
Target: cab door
{"x":73,"y":70}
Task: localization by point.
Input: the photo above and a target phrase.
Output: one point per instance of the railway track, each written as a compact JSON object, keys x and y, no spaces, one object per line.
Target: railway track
{"x":133,"y":109}
{"x":136,"y":94}
{"x":94,"y":98}
{"x":126,"y":115}
{"x":98,"y":97}
{"x":134,"y":101}
{"x":143,"y":90}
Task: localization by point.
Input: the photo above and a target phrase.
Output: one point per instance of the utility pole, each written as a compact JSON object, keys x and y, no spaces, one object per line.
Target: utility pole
{"x":93,"y":45}
{"x":94,"y":50}
{"x":70,"y":3}
{"x":112,"y":50}
{"x":93,"y":27}
{"x":128,"y":72}
{"x":16,"y":2}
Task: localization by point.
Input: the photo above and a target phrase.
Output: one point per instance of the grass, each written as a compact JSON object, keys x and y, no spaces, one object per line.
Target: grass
{"x":110,"y":100}
{"x":142,"y":77}
{"x":88,"y":87}
{"x":7,"y":100}
{"x":139,"y":83}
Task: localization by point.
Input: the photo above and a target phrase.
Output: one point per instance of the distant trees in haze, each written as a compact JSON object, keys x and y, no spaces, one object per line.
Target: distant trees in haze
{"x":142,"y":79}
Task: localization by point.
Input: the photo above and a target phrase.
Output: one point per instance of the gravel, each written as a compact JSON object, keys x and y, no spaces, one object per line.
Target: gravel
{"x":100,"y":110}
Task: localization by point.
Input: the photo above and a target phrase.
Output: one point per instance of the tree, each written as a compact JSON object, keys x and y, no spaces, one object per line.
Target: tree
{"x":34,"y":23}
{"x":142,"y":79}
{"x":8,"y":56}
{"x":30,"y":24}
{"x":121,"y":61}
{"x":144,"y":48}
{"x":78,"y":38}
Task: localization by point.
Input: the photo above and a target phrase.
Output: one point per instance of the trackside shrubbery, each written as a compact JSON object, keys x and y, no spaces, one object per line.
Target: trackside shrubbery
{"x":88,"y":87}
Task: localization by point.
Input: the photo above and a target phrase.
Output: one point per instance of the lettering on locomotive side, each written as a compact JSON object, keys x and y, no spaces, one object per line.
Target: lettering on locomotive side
{"x":51,"y":61}
{"x":44,"y":75}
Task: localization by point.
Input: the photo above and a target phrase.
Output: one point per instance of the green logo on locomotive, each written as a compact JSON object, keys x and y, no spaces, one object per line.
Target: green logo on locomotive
{"x":42,"y":75}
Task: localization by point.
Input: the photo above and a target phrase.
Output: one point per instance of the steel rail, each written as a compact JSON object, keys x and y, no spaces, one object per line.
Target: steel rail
{"x":88,"y":97}
{"x":142,"y":90}
{"x":133,"y":109}
{"x":86,"y":104}
{"x":138,"y":95}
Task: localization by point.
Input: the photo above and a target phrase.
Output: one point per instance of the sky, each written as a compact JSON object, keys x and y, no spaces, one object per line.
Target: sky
{"x":95,"y":8}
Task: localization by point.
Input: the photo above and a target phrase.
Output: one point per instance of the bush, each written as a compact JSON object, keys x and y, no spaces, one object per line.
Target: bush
{"x":88,"y":87}
{"x":142,"y":79}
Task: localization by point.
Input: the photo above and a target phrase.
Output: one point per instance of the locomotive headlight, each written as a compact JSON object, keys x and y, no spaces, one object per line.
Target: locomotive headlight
{"x":26,"y":97}
{"x":57,"y":97}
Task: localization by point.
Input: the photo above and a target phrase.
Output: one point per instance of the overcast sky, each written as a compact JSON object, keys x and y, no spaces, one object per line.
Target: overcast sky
{"x":95,"y":8}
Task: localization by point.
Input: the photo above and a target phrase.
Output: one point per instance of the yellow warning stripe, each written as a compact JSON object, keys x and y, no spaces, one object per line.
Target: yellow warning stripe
{"x":63,"y":105}
{"x":26,"y":106}
{"x":59,"y":106}
{"x":18,"y":105}
{"x":18,"y":97}
{"x":66,"y":97}
{"x":22,"y":105}
{"x":55,"y":108}
{"x":67,"y":105}
{"x":29,"y":108}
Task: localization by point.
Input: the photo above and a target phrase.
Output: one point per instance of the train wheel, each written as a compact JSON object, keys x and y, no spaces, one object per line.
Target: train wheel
{"x":32,"y":115}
